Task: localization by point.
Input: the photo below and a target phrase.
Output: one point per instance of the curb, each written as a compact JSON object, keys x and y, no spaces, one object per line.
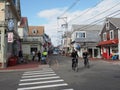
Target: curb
{"x":24,"y":69}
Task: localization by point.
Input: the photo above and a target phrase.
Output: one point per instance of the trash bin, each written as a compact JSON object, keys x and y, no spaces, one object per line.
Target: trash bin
{"x":12,"y":61}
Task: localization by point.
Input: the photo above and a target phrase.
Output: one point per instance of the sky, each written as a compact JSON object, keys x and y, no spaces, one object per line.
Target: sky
{"x":46,"y":13}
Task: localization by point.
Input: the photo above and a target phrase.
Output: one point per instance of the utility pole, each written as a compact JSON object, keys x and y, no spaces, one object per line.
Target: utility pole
{"x":65,"y":25}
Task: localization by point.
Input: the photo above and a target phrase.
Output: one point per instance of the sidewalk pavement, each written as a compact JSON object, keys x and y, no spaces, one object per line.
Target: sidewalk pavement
{"x":24,"y":66}
{"x":115,"y":62}
{"x":35,"y":65}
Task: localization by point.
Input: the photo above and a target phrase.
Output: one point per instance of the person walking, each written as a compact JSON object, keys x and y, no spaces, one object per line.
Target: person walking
{"x":44,"y":57}
{"x":39,"y":56}
{"x":85,"y":57}
{"x":20,"y":56}
{"x":33,"y":55}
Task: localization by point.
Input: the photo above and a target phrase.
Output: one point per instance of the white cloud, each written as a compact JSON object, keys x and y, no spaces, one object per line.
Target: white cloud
{"x":51,"y":15}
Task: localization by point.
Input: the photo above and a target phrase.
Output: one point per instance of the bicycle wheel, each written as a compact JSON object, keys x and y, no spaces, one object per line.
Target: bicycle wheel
{"x":76,"y":68}
{"x":87,"y":65}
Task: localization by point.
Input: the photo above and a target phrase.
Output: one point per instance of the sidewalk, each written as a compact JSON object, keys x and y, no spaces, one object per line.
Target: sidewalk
{"x":24,"y":66}
{"x":115,"y":62}
{"x":35,"y":64}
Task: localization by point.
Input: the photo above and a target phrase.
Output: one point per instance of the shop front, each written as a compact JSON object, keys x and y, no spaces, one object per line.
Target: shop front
{"x":109,"y":49}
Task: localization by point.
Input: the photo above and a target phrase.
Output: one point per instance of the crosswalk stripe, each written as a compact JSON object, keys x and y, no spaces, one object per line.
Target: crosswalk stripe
{"x":68,"y":89}
{"x":38,"y":75}
{"x":41,"y":82}
{"x":45,"y":86}
{"x":47,"y":69}
{"x":40,"y":78}
{"x":38,"y":71}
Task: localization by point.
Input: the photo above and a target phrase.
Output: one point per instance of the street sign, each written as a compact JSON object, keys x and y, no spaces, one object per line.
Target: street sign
{"x":11,"y":24}
{"x":10,"y":37}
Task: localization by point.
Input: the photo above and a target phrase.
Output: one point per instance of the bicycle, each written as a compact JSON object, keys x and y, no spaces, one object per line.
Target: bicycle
{"x":75,"y":65}
{"x":86,"y":62}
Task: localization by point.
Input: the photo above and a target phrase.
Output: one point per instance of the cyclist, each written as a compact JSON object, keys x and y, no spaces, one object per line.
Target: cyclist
{"x":85,"y":57}
{"x":74,"y":56}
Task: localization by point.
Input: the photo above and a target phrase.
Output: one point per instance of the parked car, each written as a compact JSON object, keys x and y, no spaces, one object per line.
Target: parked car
{"x":55,"y":52}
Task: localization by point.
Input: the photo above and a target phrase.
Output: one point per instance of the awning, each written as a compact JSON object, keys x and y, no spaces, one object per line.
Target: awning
{"x":108,"y":42}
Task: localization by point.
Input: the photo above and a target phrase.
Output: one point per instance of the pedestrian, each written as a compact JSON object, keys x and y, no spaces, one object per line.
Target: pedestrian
{"x":45,"y":53}
{"x":85,"y":57}
{"x":44,"y":57}
{"x":39,"y":56}
{"x":74,"y":56}
{"x":20,"y":56}
{"x":33,"y":55}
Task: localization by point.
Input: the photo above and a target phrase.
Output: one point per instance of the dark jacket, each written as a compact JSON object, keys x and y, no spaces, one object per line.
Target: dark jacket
{"x":74,"y":54}
{"x":85,"y":54}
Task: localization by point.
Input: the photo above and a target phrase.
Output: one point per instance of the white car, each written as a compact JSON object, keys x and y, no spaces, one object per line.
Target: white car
{"x":55,"y":53}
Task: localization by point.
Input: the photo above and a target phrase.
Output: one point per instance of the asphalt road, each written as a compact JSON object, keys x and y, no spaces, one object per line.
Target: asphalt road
{"x":59,"y":76}
{"x":101,"y":75}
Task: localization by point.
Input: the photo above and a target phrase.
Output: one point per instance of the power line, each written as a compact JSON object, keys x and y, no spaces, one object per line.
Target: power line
{"x":100,"y":20}
{"x":85,"y":11}
{"x":70,"y":7}
{"x":99,"y":13}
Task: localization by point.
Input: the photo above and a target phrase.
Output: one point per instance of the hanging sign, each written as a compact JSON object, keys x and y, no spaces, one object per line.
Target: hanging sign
{"x":10,"y":37}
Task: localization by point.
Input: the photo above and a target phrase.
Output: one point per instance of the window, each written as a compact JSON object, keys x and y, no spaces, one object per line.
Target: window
{"x":34,"y":31}
{"x":104,"y":36}
{"x":80,"y":34}
{"x":111,"y":34}
{"x":107,"y":25}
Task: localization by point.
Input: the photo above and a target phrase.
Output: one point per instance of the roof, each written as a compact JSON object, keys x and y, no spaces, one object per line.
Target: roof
{"x":86,"y":27}
{"x":40,"y":30}
{"x":23,"y":21}
{"x":115,"y":21}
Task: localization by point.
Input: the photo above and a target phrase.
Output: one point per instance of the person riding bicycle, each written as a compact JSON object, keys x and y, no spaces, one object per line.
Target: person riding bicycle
{"x":74,"y":56}
{"x":85,"y":57}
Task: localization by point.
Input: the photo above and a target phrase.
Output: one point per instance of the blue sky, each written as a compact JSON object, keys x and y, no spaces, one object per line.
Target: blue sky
{"x":35,"y":6}
{"x":45,"y":13}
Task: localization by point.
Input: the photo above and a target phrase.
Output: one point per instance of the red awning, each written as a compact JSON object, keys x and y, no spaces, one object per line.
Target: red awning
{"x":108,"y":42}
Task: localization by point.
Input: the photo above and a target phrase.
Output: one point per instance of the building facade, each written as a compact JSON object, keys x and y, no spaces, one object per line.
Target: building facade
{"x":9,"y":16}
{"x":86,"y":37}
{"x":34,"y":40}
{"x":110,"y":38}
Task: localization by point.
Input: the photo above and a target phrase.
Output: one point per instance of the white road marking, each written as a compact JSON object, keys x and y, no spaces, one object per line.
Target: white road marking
{"x":45,"y":86}
{"x":38,"y":71}
{"x":45,"y":76}
{"x":41,"y":82}
{"x":67,"y":89}
{"x":38,"y":75}
{"x":40,"y":78}
{"x":47,"y":69}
